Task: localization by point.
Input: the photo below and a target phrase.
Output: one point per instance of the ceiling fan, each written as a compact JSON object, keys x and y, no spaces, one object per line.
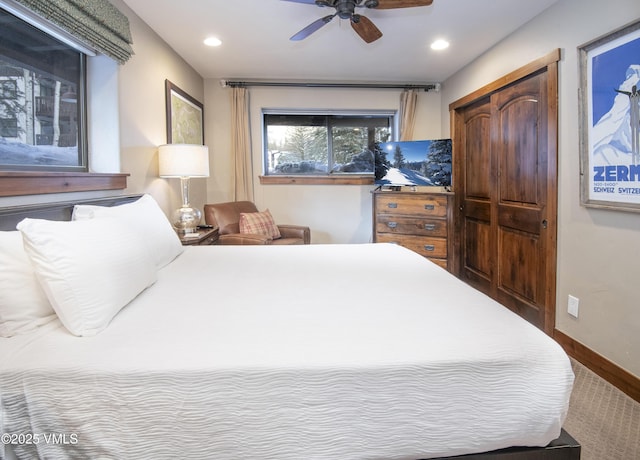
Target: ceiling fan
{"x":345,"y":9}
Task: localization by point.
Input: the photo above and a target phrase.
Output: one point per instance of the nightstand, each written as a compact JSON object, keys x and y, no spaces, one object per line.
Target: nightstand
{"x":203,"y":237}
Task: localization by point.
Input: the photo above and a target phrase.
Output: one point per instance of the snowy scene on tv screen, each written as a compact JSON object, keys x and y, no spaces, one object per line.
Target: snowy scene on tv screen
{"x":414,"y":163}
{"x":614,"y":128}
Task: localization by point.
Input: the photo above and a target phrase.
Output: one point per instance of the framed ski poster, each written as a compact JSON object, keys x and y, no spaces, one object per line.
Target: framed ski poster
{"x":610,"y":120}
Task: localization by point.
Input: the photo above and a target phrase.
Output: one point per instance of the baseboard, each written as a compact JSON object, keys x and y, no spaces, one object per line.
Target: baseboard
{"x":615,"y":375}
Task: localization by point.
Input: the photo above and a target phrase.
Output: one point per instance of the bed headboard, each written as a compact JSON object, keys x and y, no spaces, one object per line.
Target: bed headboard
{"x":10,"y":216}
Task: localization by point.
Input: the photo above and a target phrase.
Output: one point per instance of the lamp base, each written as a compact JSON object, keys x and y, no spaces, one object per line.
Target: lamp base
{"x":186,"y":219}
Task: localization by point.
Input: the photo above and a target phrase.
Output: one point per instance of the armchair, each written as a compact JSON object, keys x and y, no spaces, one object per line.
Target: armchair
{"x":226,"y":216}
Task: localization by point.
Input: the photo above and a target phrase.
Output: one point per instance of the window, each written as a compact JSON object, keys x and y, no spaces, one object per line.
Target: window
{"x":8,"y":88}
{"x":9,"y":127}
{"x":41,"y":100}
{"x":323,"y":144}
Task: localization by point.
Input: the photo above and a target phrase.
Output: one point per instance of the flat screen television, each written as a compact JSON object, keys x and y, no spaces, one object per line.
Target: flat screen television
{"x":413,"y":163}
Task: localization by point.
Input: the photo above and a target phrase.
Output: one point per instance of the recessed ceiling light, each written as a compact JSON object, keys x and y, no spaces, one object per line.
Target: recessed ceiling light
{"x":440,"y":44}
{"x":213,"y":41}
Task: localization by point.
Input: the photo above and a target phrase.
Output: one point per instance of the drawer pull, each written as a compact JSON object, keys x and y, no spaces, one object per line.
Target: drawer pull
{"x":429,"y":247}
{"x":392,"y":224}
{"x":429,"y":207}
{"x":430,"y":227}
{"x":392,"y":205}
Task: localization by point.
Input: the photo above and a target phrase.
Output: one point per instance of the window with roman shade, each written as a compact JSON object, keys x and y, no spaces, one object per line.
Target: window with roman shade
{"x":96,"y":23}
{"x":43,"y":92}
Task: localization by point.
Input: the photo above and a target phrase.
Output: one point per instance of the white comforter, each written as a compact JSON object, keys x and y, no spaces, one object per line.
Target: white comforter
{"x":306,"y":352}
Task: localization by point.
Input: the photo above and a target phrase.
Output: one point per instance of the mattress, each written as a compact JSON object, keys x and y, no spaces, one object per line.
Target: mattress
{"x":317,"y":352}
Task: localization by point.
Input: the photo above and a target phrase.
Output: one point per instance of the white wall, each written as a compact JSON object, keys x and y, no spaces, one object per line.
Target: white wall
{"x":598,"y":251}
{"x":335,"y":213}
{"x":103,"y":115}
{"x":143,"y":113}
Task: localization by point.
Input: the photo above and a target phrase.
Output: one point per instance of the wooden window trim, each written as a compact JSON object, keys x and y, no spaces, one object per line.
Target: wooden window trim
{"x":15,"y":183}
{"x":316,"y":180}
{"x":527,"y":70}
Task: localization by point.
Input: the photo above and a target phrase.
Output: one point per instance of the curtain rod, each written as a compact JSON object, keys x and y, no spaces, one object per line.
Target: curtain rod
{"x":236,"y":84}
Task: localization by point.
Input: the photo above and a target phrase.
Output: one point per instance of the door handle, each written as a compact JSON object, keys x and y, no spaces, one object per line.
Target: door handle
{"x":545,"y":223}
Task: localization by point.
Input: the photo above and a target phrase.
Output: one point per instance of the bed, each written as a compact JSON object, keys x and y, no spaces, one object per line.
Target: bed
{"x":230,"y":352}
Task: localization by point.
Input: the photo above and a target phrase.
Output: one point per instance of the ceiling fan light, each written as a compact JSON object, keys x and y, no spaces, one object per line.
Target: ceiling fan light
{"x":440,"y":45}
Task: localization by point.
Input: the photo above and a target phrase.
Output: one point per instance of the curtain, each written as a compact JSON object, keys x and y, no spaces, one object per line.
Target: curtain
{"x":241,"y":145}
{"x":94,"y":22}
{"x":408,"y":103}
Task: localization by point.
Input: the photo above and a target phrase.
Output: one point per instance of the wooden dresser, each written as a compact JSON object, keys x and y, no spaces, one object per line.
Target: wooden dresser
{"x":416,"y":220}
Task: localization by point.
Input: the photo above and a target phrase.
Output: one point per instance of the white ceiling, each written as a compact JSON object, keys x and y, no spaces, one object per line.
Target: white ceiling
{"x":255,"y":35}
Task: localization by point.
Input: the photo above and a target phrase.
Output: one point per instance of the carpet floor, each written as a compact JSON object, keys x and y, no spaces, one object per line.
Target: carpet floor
{"x":604,"y":420}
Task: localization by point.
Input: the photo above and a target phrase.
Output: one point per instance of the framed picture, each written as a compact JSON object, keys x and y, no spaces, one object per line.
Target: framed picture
{"x":610,"y":120}
{"x":185,"y":117}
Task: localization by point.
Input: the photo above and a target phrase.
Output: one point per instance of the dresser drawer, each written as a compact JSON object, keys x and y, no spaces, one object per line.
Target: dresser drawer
{"x":386,"y":223}
{"x":418,"y":221}
{"x":441,"y":262}
{"x":416,"y":205}
{"x":426,"y":246}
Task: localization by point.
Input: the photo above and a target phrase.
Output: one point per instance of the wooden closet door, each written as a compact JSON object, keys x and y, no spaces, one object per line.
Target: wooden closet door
{"x":477,"y":186}
{"x":506,"y":193}
{"x":519,"y":148}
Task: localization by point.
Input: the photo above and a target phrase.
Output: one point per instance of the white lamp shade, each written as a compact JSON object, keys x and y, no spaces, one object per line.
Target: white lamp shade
{"x":183,"y":160}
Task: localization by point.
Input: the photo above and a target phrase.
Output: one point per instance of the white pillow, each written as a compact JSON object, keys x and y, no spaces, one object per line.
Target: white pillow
{"x":144,"y":216}
{"x":89,"y":269}
{"x":23,"y":303}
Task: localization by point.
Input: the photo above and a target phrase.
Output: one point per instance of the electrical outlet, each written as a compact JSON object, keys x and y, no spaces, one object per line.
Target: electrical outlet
{"x":573,"y":304}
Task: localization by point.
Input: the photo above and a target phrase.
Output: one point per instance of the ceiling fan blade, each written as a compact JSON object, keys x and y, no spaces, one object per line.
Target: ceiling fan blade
{"x":310,"y":2}
{"x":389,"y":4}
{"x":311,"y":28}
{"x":365,"y":28}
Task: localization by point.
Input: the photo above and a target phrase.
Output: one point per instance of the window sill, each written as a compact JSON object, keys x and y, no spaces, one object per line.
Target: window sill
{"x":16,"y":183}
{"x":316,"y":180}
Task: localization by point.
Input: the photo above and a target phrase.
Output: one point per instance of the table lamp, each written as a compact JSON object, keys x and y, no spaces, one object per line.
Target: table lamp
{"x":184,"y":161}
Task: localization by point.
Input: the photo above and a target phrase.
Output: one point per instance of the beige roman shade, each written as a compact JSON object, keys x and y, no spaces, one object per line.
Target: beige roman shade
{"x":97,"y":23}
